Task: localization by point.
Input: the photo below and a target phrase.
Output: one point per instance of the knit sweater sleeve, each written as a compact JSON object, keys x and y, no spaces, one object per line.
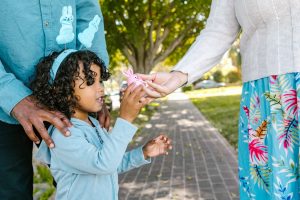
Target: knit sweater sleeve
{"x":209,"y":47}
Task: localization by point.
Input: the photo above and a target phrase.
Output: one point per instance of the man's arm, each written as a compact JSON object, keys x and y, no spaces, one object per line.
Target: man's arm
{"x":12,"y":90}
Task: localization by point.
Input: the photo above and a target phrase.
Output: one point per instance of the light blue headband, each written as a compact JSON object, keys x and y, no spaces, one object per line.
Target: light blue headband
{"x":57,"y":62}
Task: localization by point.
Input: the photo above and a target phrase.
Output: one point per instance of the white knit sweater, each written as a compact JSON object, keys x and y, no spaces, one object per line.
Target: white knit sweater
{"x":270,"y":43}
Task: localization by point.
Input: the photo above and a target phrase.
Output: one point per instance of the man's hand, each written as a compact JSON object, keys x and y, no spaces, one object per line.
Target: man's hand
{"x":158,"y":146}
{"x":104,"y":117}
{"x":30,"y":115}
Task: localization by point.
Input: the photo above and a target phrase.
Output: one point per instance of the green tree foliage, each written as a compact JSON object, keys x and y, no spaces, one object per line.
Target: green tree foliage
{"x":233,"y":77}
{"x":218,"y":76}
{"x":146,"y":32}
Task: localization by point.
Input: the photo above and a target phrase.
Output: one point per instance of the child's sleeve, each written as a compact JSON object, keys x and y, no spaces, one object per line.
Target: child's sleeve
{"x":12,"y":90}
{"x":133,"y":159}
{"x":85,"y":12}
{"x":75,"y":154}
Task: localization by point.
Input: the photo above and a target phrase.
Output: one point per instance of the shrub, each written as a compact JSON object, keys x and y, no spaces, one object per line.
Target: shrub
{"x":187,"y":88}
{"x":218,"y":76}
{"x":233,"y":77}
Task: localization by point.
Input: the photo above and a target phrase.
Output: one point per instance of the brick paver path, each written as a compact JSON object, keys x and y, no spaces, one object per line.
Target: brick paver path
{"x":201,"y":164}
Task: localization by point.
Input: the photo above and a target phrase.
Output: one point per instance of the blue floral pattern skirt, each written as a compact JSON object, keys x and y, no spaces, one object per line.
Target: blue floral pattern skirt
{"x":269,"y":138}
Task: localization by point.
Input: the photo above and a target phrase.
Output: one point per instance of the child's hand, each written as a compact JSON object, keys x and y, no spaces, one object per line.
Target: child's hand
{"x":158,"y":146}
{"x":132,"y":102}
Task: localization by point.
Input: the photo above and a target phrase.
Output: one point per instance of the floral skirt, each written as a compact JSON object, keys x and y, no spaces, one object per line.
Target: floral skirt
{"x":269,"y":138}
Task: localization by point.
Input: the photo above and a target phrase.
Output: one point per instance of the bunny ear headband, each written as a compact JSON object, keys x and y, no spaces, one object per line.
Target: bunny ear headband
{"x":66,"y":35}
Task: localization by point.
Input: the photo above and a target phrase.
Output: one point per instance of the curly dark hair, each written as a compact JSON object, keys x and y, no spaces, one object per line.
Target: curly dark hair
{"x":59,"y":95}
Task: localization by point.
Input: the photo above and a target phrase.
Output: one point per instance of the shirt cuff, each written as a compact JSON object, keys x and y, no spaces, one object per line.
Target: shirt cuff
{"x":139,"y":158}
{"x":13,"y":98}
{"x":190,"y":79}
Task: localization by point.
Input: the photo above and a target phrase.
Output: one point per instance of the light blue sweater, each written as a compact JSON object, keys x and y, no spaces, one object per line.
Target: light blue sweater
{"x":86,"y":164}
{"x":28,"y":32}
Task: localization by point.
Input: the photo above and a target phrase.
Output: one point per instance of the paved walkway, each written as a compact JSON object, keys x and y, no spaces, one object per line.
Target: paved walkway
{"x":201,"y":166}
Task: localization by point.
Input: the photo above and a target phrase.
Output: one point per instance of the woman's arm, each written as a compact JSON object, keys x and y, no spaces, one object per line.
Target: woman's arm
{"x":220,"y":32}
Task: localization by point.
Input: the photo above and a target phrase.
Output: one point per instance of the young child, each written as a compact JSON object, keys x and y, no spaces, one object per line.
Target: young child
{"x":86,"y":164}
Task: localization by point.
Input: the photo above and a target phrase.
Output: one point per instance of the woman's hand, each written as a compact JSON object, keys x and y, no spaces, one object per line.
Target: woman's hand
{"x":162,"y":83}
{"x":158,"y":146}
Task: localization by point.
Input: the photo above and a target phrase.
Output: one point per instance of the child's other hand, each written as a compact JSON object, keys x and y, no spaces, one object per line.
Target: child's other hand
{"x":132,"y":102}
{"x":158,"y":146}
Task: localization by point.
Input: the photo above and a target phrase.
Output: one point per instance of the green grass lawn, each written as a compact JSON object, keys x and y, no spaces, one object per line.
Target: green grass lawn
{"x":220,"y":109}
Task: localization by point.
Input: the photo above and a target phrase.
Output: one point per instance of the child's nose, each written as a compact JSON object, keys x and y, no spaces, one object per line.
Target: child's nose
{"x":100,"y":87}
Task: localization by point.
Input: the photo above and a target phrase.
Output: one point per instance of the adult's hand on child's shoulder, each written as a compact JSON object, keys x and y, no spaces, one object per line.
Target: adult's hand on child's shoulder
{"x":132,"y":102}
{"x":30,"y":115}
{"x":157,"y":146}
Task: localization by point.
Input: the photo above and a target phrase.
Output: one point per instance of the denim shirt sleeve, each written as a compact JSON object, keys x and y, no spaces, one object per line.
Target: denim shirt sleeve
{"x":86,"y":10}
{"x":12,"y":90}
{"x":133,"y":159}
{"x":76,"y":155}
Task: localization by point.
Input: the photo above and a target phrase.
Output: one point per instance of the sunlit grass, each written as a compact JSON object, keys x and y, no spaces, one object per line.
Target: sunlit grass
{"x":221,"y":110}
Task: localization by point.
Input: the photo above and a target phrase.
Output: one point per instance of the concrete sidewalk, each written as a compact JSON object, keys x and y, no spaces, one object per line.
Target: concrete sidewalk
{"x":201,"y":165}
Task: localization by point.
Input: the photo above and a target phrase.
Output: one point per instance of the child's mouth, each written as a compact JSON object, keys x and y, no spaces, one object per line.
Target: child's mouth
{"x":100,"y":100}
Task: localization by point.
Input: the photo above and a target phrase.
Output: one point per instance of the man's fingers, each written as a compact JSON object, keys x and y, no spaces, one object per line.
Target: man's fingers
{"x":39,"y":126}
{"x":63,"y":118}
{"x":57,"y":122}
{"x":29,"y":132}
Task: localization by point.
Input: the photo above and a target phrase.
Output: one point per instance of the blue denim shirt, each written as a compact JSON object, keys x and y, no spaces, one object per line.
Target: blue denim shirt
{"x":86,"y":164}
{"x":28,"y":32}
